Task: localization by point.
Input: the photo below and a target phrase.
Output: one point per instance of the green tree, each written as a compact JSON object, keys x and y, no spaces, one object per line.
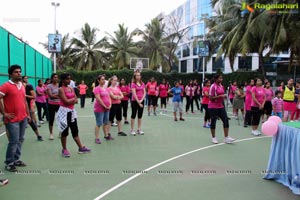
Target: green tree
{"x":88,"y":53}
{"x":121,"y":47}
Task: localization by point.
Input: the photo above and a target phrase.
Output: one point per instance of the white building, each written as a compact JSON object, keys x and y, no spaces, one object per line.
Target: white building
{"x":190,"y":16}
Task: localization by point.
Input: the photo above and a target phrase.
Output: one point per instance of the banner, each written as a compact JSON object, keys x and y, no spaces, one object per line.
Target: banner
{"x":54,"y":43}
{"x":203,"y":48}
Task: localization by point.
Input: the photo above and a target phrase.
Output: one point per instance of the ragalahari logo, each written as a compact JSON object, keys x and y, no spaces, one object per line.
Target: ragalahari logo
{"x":246,"y":7}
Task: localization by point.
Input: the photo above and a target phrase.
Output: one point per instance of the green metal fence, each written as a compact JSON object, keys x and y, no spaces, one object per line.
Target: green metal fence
{"x":13,"y":51}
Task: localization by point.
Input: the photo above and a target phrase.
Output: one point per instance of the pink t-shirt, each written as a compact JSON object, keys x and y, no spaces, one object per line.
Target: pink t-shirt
{"x":104,"y":95}
{"x":182,"y":89}
{"x":139,"y":91}
{"x":232,"y":90}
{"x":205,"y":99}
{"x":125,"y":88}
{"x":117,"y":92}
{"x":151,"y":88}
{"x":40,"y":98}
{"x":70,"y":94}
{"x":260,"y":95}
{"x":216,"y":90}
{"x":278,"y":104}
{"x":163,"y":90}
{"x":269,"y":94}
{"x":189,"y":91}
{"x":82,"y":89}
{"x":248,"y":97}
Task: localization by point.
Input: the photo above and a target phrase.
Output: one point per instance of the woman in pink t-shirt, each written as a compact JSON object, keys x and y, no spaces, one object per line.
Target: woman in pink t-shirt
{"x":257,"y":105}
{"x":163,"y":94}
{"x":217,"y":110}
{"x":205,"y":101}
{"x":116,"y":110}
{"x":248,"y":99}
{"x":67,"y":117}
{"x":151,"y":87}
{"x":268,"y":104}
{"x":125,"y":89}
{"x":40,"y":100}
{"x":82,"y":92}
{"x":137,"y":102}
{"x":102,"y":106}
{"x":189,"y":93}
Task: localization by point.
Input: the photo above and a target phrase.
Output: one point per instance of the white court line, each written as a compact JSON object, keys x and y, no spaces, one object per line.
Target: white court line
{"x":3,"y":133}
{"x":166,"y":161}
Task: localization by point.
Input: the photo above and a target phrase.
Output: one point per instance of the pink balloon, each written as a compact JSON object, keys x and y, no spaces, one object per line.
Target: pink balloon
{"x":275,"y":119}
{"x":269,"y":128}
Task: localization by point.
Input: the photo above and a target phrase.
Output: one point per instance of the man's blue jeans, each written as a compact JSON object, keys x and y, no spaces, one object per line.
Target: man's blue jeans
{"x":16,"y":132}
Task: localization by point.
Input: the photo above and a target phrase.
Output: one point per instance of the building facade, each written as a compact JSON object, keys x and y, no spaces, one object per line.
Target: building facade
{"x":191,"y":16}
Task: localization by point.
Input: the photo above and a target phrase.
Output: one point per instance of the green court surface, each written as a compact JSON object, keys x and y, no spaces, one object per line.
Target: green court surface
{"x":173,"y":160}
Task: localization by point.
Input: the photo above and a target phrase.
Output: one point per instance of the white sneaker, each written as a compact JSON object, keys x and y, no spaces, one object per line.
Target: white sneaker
{"x":51,"y":137}
{"x":214,"y":140}
{"x":114,"y":124}
{"x":229,"y":140}
{"x":140,"y":132}
{"x":133,"y":133}
{"x":255,"y":132}
{"x":41,"y":122}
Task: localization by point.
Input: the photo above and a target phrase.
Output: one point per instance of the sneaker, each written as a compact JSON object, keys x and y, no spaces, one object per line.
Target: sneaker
{"x":65,"y":153}
{"x":109,"y":137}
{"x":84,"y":150}
{"x":229,"y":140}
{"x":245,"y":125}
{"x":175,"y":119}
{"x":122,"y":134}
{"x":255,"y":132}
{"x":181,"y":119}
{"x":148,"y":113}
{"x":133,"y":133}
{"x":154,"y":114}
{"x":206,"y":126}
{"x":97,"y":141}
{"x":114,"y":124}
{"x":40,"y":138}
{"x":11,"y":168}
{"x":19,"y":163}
{"x":42,"y":122}
{"x":3,"y":181}
{"x":140,"y":132}
{"x":51,"y":137}
{"x":214,"y":140}
{"x":126,"y":122}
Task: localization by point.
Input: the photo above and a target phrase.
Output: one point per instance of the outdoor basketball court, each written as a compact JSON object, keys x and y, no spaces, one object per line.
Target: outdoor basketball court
{"x":173,"y":160}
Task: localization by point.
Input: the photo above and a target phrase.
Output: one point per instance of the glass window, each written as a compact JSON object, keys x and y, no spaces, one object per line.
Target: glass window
{"x":187,"y":12}
{"x":200,"y":29}
{"x":183,"y":66}
{"x":185,"y":51}
{"x":245,"y":63}
{"x":197,"y":65}
{"x":217,"y":64}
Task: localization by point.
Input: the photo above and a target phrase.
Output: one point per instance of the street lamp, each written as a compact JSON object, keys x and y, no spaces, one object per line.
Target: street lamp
{"x":54,"y":56}
{"x":203,"y":17}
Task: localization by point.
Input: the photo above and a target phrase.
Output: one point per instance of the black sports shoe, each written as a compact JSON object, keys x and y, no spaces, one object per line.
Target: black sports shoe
{"x":122,"y":134}
{"x":126,"y":122}
{"x":40,"y":138}
{"x":3,"y":181}
{"x":20,"y":163}
{"x":11,"y":168}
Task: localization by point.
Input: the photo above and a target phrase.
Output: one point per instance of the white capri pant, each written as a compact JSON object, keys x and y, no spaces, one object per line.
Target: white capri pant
{"x":177,"y":106}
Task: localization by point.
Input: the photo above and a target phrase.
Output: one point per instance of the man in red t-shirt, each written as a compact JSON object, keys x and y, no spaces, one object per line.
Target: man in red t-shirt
{"x":16,"y":114}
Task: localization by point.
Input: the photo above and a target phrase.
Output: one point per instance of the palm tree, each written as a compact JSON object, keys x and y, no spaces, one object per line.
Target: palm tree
{"x":87,"y":53}
{"x":155,"y":45}
{"x":121,"y":47}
